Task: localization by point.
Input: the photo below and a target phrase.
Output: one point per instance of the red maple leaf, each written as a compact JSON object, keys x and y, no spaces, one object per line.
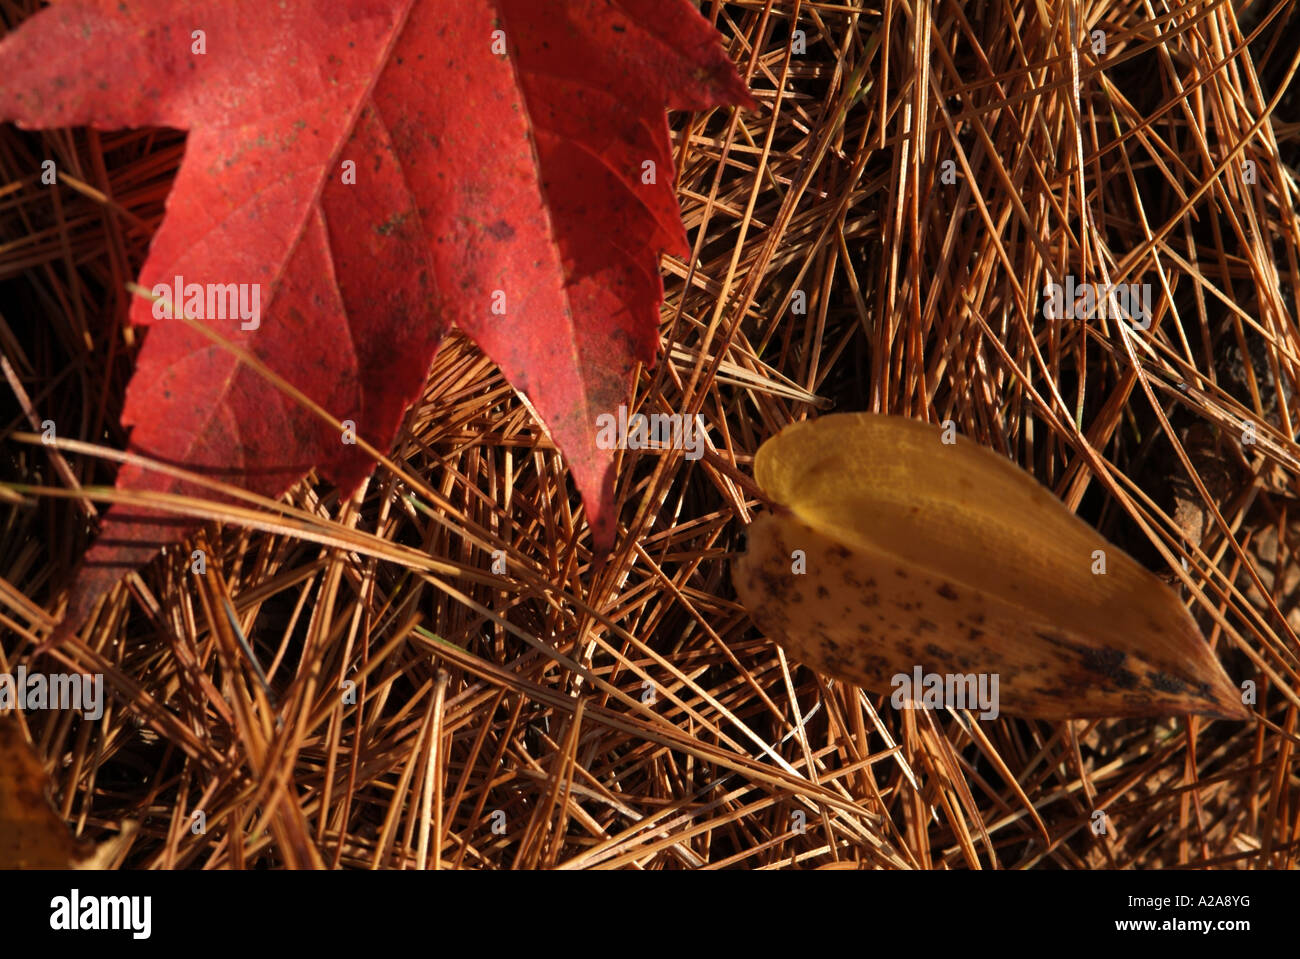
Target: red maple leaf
{"x":373,"y":171}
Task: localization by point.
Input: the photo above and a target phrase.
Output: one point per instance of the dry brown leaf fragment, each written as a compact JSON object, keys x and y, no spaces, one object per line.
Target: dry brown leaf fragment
{"x":32,"y":836}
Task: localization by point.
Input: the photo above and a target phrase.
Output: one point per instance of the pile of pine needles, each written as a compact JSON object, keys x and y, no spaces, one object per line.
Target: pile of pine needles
{"x":351,"y":685}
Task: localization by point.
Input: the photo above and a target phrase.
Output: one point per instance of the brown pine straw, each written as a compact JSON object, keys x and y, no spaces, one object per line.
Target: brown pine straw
{"x":405,"y":707}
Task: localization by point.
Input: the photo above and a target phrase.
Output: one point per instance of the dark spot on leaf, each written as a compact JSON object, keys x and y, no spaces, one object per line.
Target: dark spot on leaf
{"x":1056,"y":639}
{"x":1166,"y":683}
{"x":1109,"y":662}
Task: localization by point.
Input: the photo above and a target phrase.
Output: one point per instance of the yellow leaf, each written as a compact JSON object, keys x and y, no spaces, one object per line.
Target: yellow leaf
{"x":921,"y":557}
